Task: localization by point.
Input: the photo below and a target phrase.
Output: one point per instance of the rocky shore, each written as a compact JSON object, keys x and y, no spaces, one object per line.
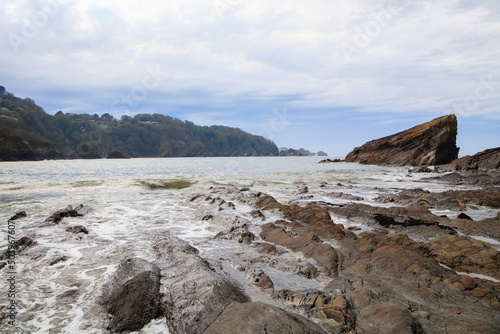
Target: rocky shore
{"x":288,"y":267}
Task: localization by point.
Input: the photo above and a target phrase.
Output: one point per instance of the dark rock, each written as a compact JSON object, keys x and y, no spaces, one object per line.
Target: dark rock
{"x":196,"y":294}
{"x":18,"y":215}
{"x":58,"y":260}
{"x":431,"y":143}
{"x":330,"y":161}
{"x":261,"y":318}
{"x":133,"y":296}
{"x":77,"y":229}
{"x":57,"y":216}
{"x":463,"y":216}
{"x":422,"y":169}
{"x":488,"y":159}
{"x":117,"y":155}
{"x":18,"y":247}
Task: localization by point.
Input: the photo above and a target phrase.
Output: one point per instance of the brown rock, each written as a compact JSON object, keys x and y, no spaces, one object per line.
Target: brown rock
{"x":309,"y":244}
{"x":479,"y":293}
{"x":463,"y":253}
{"x":487,"y":159}
{"x":249,"y":318}
{"x":431,"y":143}
{"x":387,"y":320}
{"x":467,"y":282}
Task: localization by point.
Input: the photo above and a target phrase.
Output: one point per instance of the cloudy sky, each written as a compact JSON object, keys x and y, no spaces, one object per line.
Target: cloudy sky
{"x":319,"y":74}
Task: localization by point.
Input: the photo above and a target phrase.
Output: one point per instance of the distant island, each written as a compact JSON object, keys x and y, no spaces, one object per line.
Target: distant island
{"x":27,"y":132}
{"x":290,"y":152}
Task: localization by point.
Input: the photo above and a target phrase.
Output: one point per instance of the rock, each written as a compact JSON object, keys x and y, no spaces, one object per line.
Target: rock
{"x":58,"y":260}
{"x":133,"y":297}
{"x":265,"y":247}
{"x":388,"y":320}
{"x":325,"y":161}
{"x":57,"y":216}
{"x":467,"y":282}
{"x":261,"y":318}
{"x":423,"y":169}
{"x":77,"y":229}
{"x":431,"y":143}
{"x":18,"y":215}
{"x":463,"y":216}
{"x":117,"y":155}
{"x":309,"y":244}
{"x":195,"y":293}
{"x":19,"y":246}
{"x":262,"y":280}
{"x":487,"y":159}
{"x":463,"y":253}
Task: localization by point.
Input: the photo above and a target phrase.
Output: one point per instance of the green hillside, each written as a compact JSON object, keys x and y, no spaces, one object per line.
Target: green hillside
{"x":27,"y":132}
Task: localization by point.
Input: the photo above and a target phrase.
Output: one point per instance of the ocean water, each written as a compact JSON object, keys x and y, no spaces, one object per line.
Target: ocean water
{"x":132,"y":201}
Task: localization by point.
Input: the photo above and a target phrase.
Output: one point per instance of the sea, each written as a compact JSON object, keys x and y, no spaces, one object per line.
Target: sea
{"x":131,"y":201}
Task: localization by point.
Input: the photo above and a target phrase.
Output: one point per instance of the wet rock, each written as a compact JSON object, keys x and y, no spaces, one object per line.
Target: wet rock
{"x":309,"y":244}
{"x":195,"y":294}
{"x":58,"y":260}
{"x":57,"y":216}
{"x":19,"y":246}
{"x":463,"y":253}
{"x":18,"y":215}
{"x":431,"y":143}
{"x":257,"y":214}
{"x":463,"y":216}
{"x":342,"y":195}
{"x":240,"y":234}
{"x":261,"y":318}
{"x":133,"y":297}
{"x":268,"y":248}
{"x":262,"y":280}
{"x":77,"y":229}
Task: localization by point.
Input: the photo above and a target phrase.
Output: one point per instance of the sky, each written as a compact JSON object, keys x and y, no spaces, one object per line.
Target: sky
{"x":320,"y":74}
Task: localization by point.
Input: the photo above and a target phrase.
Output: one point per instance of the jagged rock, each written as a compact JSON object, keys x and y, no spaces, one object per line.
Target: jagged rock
{"x":431,"y":143}
{"x":57,"y":216}
{"x":463,"y":253}
{"x":262,"y":280}
{"x":18,"y":247}
{"x":77,"y":229}
{"x":18,"y":215}
{"x":117,"y":155}
{"x":487,"y":159}
{"x":133,"y":296}
{"x":309,"y":244}
{"x":195,"y":293}
{"x":261,"y":318}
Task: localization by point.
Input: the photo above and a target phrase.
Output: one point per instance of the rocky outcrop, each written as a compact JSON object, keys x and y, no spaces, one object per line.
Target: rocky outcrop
{"x":261,"y":318}
{"x":133,"y":296}
{"x":431,"y":143}
{"x":465,"y":254}
{"x":196,"y":294}
{"x":18,"y":247}
{"x":69,"y":211}
{"x":487,"y":159}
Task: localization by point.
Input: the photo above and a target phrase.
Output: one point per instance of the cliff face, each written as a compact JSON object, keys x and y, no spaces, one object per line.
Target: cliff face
{"x":431,"y":143}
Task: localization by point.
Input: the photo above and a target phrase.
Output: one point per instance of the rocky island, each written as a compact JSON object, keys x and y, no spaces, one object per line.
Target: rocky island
{"x":431,"y":143}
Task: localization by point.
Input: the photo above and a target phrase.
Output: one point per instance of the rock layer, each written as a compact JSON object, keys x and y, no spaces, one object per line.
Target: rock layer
{"x":431,"y":143}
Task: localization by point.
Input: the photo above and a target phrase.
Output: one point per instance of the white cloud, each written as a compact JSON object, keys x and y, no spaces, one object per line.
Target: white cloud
{"x":425,"y":56}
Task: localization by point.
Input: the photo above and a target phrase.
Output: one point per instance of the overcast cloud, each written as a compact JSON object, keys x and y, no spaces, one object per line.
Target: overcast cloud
{"x":321,"y":74}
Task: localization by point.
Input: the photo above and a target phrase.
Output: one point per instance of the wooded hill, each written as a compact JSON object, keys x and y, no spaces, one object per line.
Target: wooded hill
{"x":27,"y":132}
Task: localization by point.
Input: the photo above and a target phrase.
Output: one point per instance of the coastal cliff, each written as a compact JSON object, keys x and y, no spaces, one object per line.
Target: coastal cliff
{"x":431,"y":143}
